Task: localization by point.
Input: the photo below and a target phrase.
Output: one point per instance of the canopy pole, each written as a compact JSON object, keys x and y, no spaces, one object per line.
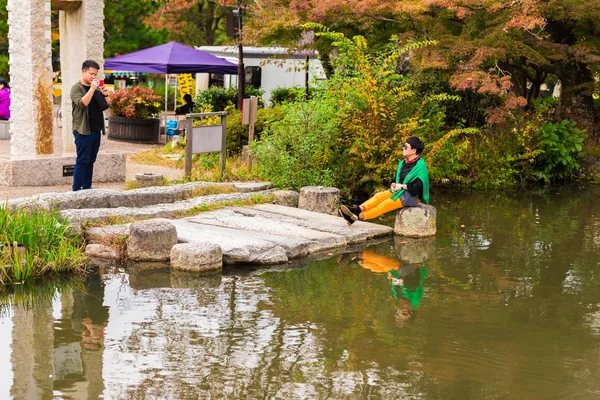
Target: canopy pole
{"x":176,"y":88}
{"x":166,"y":90}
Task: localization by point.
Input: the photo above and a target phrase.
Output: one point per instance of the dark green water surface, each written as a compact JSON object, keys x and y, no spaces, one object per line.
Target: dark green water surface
{"x":504,"y":303}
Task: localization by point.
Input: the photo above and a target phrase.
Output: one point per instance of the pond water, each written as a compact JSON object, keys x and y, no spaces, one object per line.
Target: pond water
{"x":503,"y":303}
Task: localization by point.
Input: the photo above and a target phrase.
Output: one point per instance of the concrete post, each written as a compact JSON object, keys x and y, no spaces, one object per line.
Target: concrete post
{"x":81,"y":38}
{"x":30,"y":51}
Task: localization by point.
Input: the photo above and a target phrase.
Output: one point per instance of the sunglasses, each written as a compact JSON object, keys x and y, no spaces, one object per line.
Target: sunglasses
{"x":406,"y":147}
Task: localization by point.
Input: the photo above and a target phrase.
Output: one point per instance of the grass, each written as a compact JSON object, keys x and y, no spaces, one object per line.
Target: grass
{"x":35,"y":243}
{"x":205,"y":167}
{"x":253,"y":200}
{"x":133,"y":184}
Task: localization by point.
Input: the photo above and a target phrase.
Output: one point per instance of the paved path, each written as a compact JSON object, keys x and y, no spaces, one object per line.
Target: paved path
{"x":8,"y":192}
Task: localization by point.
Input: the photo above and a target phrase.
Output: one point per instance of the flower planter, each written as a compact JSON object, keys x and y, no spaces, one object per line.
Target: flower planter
{"x":133,"y":129}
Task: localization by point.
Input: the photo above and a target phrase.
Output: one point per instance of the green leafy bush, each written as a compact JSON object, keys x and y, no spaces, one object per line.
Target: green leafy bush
{"x":560,"y":145}
{"x":220,"y":98}
{"x":300,"y":148}
{"x":237,"y":134}
{"x":282,"y":95}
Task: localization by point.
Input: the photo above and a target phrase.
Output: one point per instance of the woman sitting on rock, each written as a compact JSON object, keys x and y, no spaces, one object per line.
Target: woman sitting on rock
{"x":410,"y":187}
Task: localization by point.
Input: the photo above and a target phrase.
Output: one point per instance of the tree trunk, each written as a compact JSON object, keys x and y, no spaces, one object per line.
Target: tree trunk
{"x":576,"y":103}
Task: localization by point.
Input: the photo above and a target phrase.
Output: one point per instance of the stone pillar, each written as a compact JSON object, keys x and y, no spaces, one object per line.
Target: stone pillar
{"x":81,"y":38}
{"x":30,"y":53}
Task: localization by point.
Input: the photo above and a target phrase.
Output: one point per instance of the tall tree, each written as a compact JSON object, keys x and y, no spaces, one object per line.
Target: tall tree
{"x":192,"y":22}
{"x":502,"y":47}
{"x":124,"y":30}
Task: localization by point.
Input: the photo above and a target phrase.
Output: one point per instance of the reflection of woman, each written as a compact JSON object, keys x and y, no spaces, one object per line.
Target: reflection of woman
{"x":407,"y":281}
{"x":4,"y":100}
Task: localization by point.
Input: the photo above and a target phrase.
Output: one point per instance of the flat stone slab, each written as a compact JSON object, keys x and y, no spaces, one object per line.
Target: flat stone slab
{"x":356,"y":233}
{"x":106,"y":198}
{"x":167,"y":210}
{"x":259,"y":235}
{"x":239,"y":218}
{"x":236,"y":246}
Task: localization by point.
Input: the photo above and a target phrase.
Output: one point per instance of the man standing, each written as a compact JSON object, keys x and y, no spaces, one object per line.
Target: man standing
{"x":88,"y":102}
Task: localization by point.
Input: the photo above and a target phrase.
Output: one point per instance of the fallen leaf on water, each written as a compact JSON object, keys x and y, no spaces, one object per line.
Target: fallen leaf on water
{"x":442,"y":248}
{"x":462,"y":225}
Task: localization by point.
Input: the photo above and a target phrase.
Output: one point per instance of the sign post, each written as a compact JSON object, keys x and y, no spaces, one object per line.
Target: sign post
{"x":205,"y":139}
{"x":249,"y":112}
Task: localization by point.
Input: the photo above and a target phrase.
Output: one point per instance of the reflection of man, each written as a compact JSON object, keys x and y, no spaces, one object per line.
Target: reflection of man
{"x":89,"y":102}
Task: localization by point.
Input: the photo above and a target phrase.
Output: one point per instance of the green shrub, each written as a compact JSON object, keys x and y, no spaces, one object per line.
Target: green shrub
{"x":300,"y":149}
{"x":560,"y":145}
{"x":282,"y":95}
{"x":237,"y":134}
{"x":220,"y":98}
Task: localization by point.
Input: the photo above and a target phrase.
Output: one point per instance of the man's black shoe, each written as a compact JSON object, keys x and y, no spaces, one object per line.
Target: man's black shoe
{"x":349,"y":220}
{"x":349,"y":213}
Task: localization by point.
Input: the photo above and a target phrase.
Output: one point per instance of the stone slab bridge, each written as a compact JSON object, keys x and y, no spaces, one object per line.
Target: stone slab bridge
{"x":165,"y":219}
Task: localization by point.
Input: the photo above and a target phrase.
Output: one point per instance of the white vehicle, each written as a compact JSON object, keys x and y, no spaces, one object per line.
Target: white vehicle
{"x":266,"y":67}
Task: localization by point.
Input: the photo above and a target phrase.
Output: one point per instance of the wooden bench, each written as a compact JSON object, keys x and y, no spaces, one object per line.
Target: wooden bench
{"x":4,"y":130}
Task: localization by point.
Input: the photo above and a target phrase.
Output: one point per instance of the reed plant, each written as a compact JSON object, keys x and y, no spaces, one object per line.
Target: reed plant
{"x":37,"y":242}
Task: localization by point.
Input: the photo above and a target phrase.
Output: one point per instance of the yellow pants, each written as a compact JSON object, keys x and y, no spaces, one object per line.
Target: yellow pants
{"x":379,"y":204}
{"x":378,"y":263}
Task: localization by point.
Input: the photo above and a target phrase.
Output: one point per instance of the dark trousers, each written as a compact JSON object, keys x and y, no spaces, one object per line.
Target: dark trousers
{"x":87,"y":149}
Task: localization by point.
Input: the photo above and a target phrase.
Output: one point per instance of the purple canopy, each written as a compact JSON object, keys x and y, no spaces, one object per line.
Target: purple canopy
{"x":171,"y":58}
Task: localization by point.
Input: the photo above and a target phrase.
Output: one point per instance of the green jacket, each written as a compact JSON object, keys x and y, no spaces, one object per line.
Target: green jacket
{"x":81,"y":118}
{"x":419,"y":171}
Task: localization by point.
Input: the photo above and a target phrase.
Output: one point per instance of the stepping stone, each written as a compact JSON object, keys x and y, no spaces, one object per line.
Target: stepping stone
{"x":320,"y":199}
{"x":419,"y":221}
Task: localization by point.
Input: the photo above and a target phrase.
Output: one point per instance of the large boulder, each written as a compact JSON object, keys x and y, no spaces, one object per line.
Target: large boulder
{"x":319,"y":199}
{"x":197,"y":257}
{"x":419,"y":221}
{"x":151,"y":240}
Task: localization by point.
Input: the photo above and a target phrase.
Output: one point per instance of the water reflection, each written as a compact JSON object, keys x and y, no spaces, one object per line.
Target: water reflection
{"x":407,"y":279}
{"x":503,"y":303}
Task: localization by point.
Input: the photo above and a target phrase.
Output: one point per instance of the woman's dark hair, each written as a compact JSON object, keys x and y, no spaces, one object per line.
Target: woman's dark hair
{"x":3,"y":82}
{"x":187,"y":98}
{"x":416,"y":144}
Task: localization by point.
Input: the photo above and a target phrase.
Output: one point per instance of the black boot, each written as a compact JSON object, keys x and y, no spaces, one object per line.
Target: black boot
{"x":350,"y":213}
{"x":349,"y":220}
{"x":355,"y":210}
